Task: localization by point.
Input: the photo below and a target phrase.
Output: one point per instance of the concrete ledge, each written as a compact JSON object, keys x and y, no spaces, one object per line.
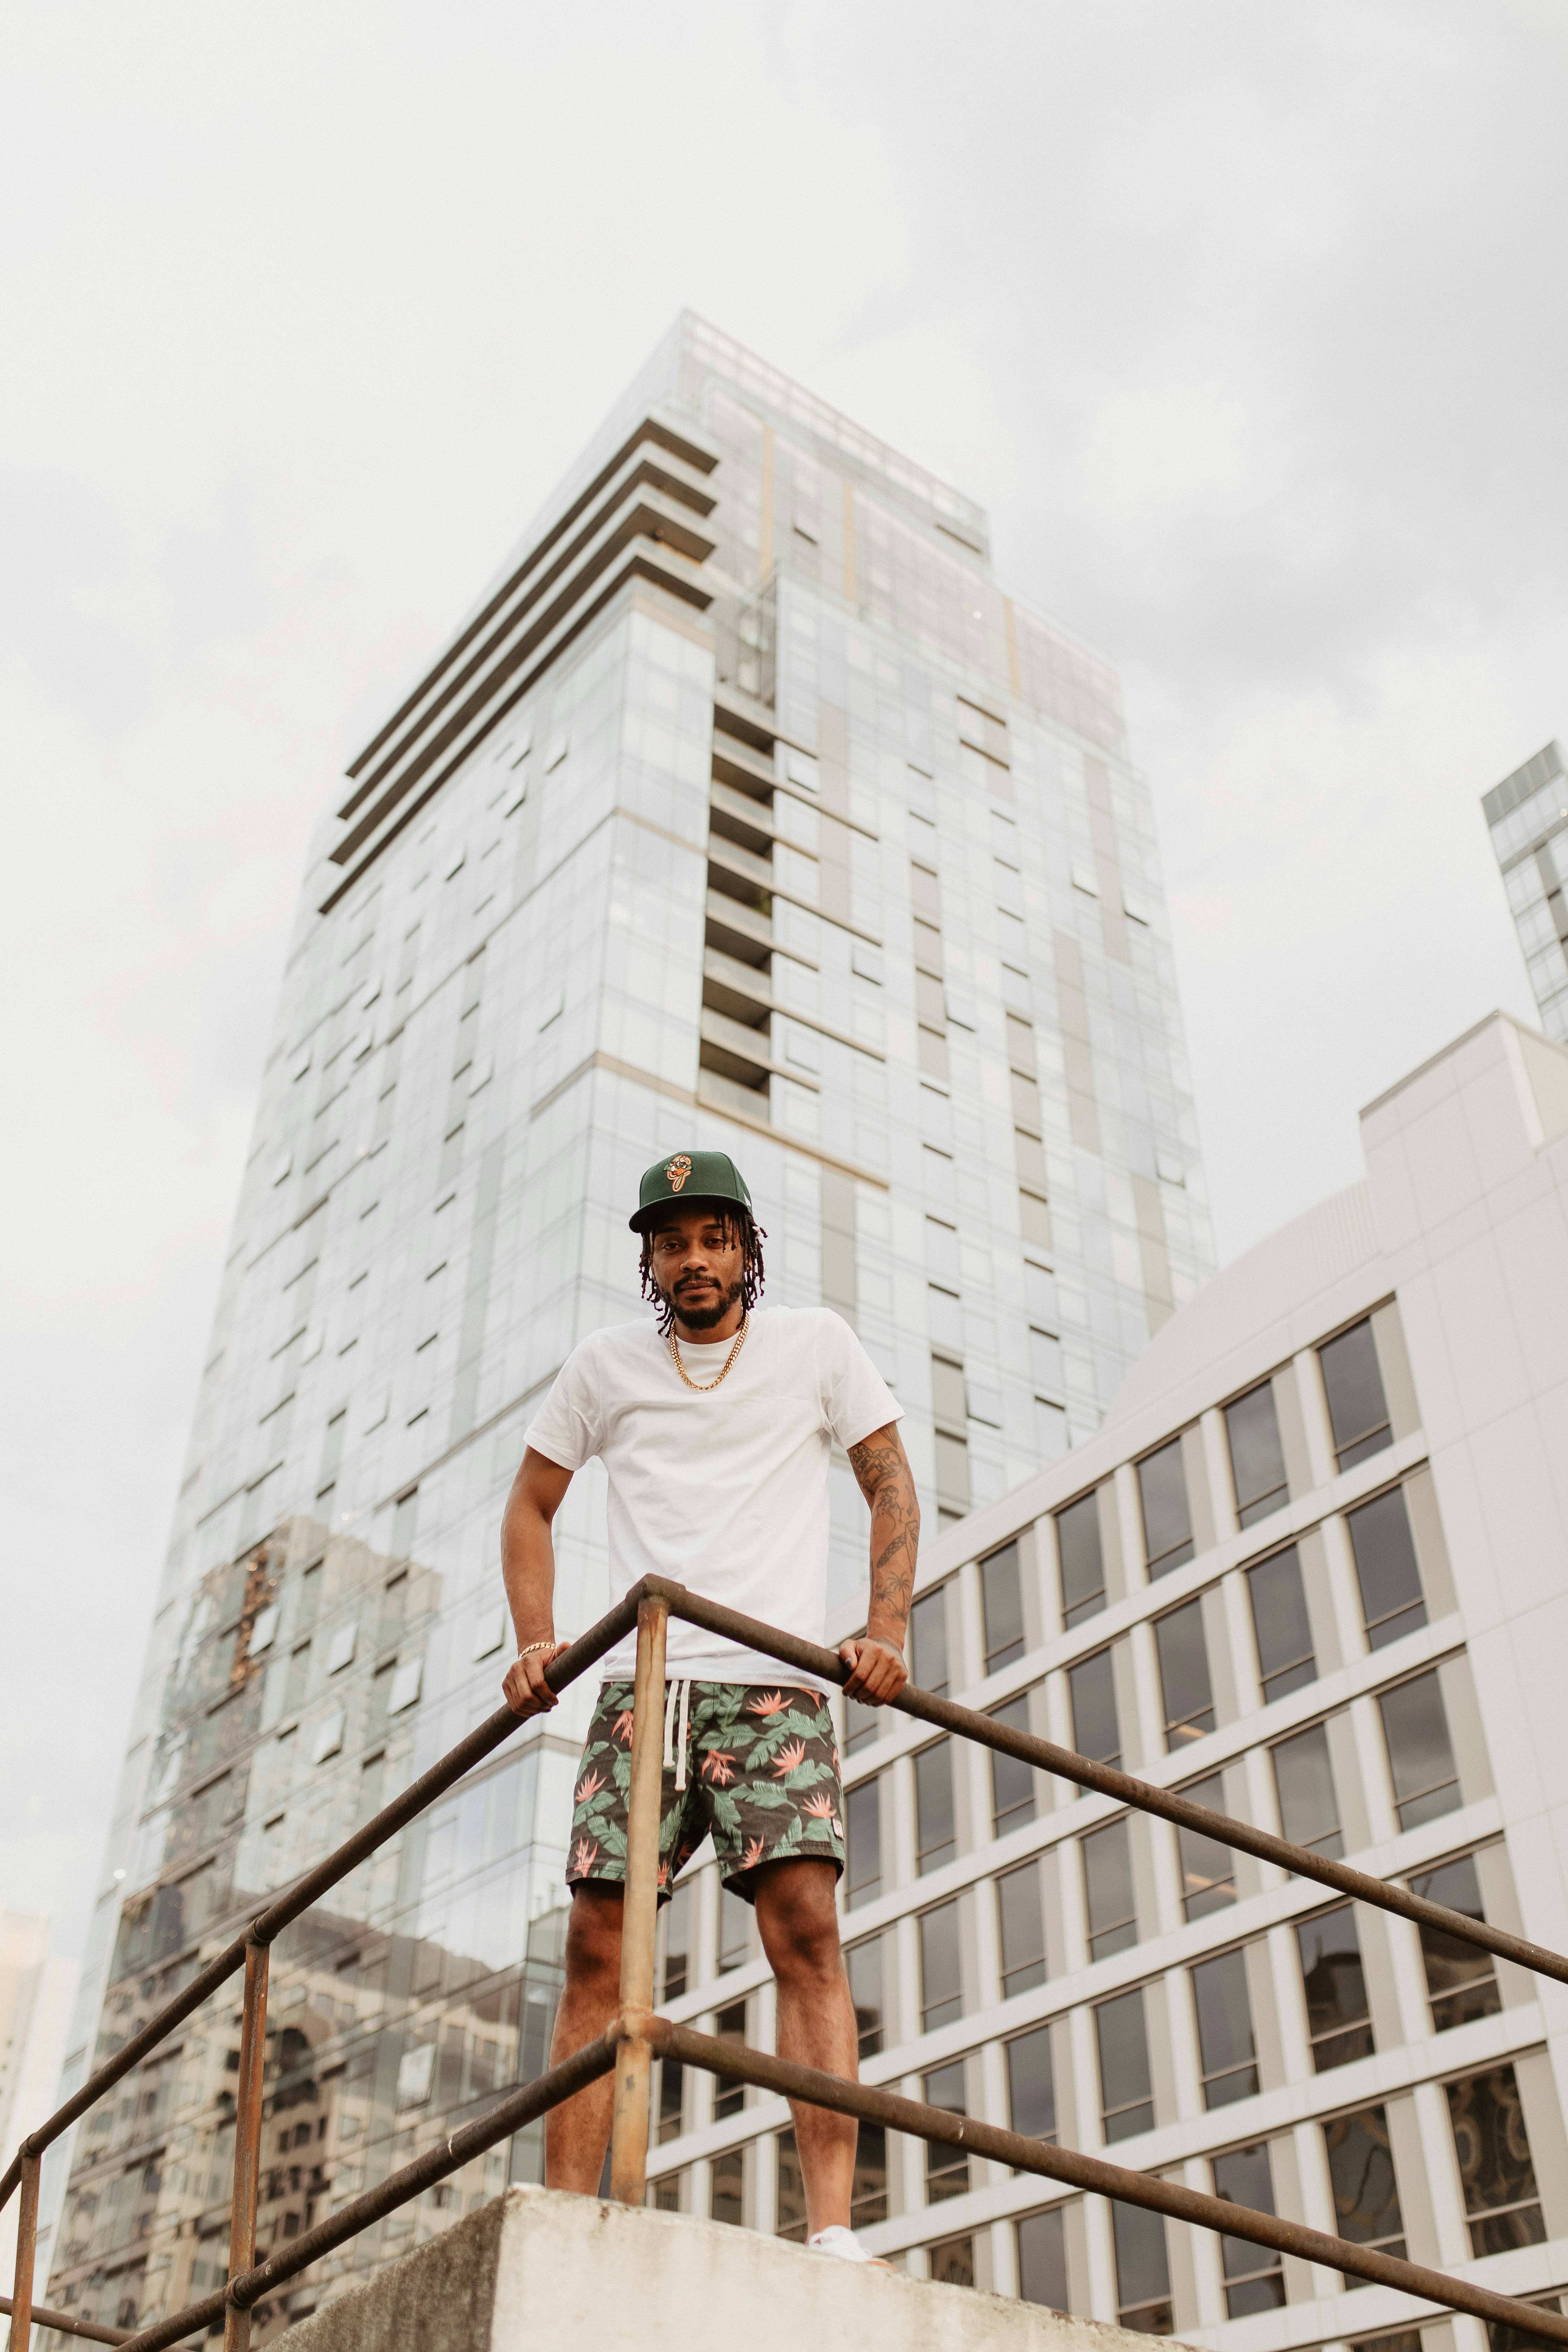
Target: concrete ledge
{"x":537,"y":2266}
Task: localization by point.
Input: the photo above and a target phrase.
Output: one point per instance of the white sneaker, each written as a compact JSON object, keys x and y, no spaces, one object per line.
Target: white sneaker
{"x":844,"y":2246}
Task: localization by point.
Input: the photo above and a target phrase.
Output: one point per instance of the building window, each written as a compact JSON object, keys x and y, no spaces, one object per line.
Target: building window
{"x":934,"y":1829}
{"x":941,"y":1981}
{"x":730,"y":2025}
{"x":1082,"y":1560}
{"x":735,"y":1931}
{"x":1279,"y":1622}
{"x":1184,"y":1674}
{"x":1143,"y":2273}
{"x":863,"y":1844}
{"x":1032,"y":2088}
{"x":1461,"y":1982}
{"x":1091,"y":1685}
{"x":951,"y":1476}
{"x":1042,"y":2258}
{"x":1392,"y":1601}
{"x":1023,"y":1929}
{"x":863,"y":1724}
{"x":675,"y":1927}
{"x":863,"y":1965}
{"x":869,"y":2191}
{"x":1353,"y":1383}
{"x":727,"y":2187}
{"x":1361,"y":2170}
{"x":1308,"y":1803}
{"x":1256,"y":1456}
{"x":948,"y":1401}
{"x":928,"y":1642}
{"x":1208,"y":1868}
{"x":789,"y":2195}
{"x":1126,"y":2090}
{"x":953,"y":2261}
{"x":1110,"y":1899}
{"x":1002,"y":1595}
{"x":1420,"y":1755}
{"x":1501,"y":2202}
{"x":1012,"y":1780}
{"x":671,"y":2100}
{"x":1254,"y":2275}
{"x":947,"y":2168}
{"x":667,"y":2195}
{"x":1338,"y":2026}
{"x":1227,"y":2054}
{"x":1167,"y":1521}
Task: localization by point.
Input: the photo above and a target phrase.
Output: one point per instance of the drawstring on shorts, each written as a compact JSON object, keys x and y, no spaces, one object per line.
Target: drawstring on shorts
{"x":677,"y":1728}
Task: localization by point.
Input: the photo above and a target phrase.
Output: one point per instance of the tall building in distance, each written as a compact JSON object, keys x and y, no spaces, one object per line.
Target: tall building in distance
{"x":1313,"y":1572}
{"x":746,"y":810}
{"x":1528,"y":818}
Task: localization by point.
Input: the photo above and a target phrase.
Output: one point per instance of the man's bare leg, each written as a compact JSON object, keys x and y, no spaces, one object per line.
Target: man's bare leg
{"x":798,"y":1920}
{"x":577,"y":2133}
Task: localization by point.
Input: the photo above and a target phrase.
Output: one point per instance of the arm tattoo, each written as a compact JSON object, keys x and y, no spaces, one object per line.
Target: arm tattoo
{"x":882,"y":1470}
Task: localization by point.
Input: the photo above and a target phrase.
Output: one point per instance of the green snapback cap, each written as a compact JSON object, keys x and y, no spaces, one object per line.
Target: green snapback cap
{"x":690,"y":1179}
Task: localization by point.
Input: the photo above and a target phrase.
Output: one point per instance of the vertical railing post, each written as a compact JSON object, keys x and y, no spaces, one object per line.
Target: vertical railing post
{"x":247,"y":2138}
{"x":27,"y":2249}
{"x":639,"y":1910}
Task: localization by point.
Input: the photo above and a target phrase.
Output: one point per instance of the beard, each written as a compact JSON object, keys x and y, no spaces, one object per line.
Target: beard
{"x":702,"y":1318}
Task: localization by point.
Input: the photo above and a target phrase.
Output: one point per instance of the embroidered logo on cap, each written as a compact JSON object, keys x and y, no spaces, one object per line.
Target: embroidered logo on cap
{"x":679,"y":1169}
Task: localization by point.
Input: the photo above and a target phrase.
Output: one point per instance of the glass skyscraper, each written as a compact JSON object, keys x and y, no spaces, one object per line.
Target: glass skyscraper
{"x":1528,"y":816}
{"x":744,"y":810}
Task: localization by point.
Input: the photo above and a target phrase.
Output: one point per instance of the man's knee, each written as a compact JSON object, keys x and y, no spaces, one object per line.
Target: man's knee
{"x":797,"y":1918}
{"x":594,"y":1933}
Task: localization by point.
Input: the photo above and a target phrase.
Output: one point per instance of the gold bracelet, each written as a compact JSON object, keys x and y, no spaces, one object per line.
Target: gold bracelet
{"x":527,"y":1652}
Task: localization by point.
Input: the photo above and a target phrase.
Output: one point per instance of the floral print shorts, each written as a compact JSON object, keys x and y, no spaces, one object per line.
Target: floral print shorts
{"x":761,"y":1774}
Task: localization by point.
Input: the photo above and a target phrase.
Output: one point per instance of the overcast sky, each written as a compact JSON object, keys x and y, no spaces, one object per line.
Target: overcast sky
{"x":1249,"y":323}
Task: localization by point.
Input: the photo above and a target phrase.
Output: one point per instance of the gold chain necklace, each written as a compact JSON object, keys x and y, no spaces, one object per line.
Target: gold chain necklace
{"x":706,"y":1388}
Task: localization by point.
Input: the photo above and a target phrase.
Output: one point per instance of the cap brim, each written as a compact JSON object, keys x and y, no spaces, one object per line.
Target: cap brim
{"x":644,"y":1217}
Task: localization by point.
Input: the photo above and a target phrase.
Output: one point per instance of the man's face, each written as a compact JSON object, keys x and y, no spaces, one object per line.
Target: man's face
{"x":697,"y":1262}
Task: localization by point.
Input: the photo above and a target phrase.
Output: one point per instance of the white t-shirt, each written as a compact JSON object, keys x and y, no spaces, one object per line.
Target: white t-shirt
{"x":725,"y":1493}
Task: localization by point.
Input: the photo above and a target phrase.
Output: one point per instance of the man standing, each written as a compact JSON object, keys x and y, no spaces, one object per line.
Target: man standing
{"x":716,"y":1430}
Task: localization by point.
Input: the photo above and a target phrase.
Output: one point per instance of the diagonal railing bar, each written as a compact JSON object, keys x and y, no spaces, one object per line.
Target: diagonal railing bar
{"x":449,"y":2156}
{"x":470,"y":1750}
{"x":1107,"y":1781}
{"x":764,"y":2072}
{"x":68,"y":2324}
{"x":636,"y":2034}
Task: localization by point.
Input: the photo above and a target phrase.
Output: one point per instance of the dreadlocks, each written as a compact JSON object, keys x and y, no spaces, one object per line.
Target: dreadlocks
{"x":739,"y":1226}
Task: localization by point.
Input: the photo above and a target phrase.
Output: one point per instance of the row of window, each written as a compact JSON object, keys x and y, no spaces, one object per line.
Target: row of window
{"x":1423,"y":1770}
{"x":1461,"y":1986}
{"x":1491,"y":2146}
{"x":1358,"y":1418}
{"x":1393,"y":1603}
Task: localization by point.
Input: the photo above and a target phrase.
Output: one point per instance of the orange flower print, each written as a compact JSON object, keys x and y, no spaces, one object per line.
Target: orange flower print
{"x":664,"y":1874}
{"x":720,"y":1766}
{"x":589,"y":1786}
{"x":766,"y":1703}
{"x":623,"y":1730}
{"x":752,"y":1854}
{"x":820,"y":1808}
{"x":791,"y":1753}
{"x":584,"y":1855}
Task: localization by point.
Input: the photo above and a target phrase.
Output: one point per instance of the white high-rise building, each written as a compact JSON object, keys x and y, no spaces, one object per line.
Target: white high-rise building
{"x":744,"y":810}
{"x":1527,"y":814}
{"x":1313,"y":1570}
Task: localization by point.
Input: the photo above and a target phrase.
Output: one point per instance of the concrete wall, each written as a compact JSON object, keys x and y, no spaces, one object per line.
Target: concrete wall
{"x":538,"y":2266}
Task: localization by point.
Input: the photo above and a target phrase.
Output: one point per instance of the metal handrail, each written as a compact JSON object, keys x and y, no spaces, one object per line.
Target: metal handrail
{"x":636,"y":2035}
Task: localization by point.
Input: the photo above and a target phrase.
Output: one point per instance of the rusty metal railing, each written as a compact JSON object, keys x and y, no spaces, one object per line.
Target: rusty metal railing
{"x":636,"y":2036}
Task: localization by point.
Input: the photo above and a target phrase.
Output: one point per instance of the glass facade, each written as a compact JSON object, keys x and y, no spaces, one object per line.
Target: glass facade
{"x":744,"y":809}
{"x":1528,"y":818}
